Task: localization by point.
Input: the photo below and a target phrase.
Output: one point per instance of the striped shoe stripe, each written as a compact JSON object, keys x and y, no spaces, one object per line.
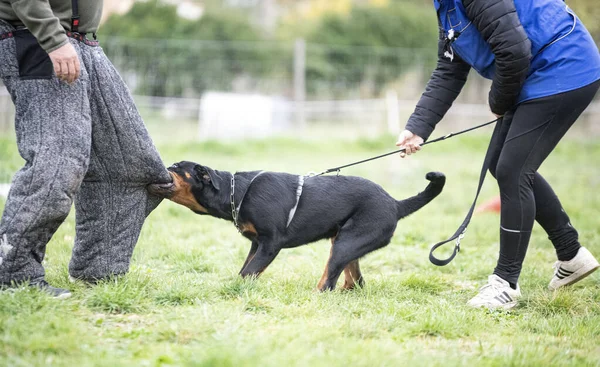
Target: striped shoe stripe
{"x":564,"y":271}
{"x":503,"y":298}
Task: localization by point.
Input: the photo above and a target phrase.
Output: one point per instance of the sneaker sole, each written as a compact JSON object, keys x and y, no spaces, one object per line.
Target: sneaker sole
{"x":506,"y":306}
{"x":63,"y":296}
{"x":580,"y":274}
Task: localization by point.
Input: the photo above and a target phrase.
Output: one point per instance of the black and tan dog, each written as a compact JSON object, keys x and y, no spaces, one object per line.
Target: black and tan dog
{"x":280,"y":210}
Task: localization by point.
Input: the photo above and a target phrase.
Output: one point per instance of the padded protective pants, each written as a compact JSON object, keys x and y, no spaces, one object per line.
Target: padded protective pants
{"x":86,"y":143}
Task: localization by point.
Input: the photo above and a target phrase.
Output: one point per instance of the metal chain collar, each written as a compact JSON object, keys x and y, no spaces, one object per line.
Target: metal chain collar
{"x":234,"y":213}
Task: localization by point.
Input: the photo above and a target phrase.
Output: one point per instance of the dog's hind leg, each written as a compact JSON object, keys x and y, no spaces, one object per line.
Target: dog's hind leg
{"x":251,"y":254}
{"x":324,"y":276}
{"x":355,"y":239}
{"x":353,"y":276}
{"x":263,"y":257}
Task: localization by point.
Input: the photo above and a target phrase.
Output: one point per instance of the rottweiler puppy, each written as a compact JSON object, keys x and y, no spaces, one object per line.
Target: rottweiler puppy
{"x":280,"y":210}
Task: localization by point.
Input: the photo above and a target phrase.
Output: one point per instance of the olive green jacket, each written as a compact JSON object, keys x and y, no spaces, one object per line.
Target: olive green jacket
{"x":49,"y":20}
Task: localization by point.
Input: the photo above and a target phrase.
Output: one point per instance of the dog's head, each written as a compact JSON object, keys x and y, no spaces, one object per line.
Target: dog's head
{"x":194,"y":186}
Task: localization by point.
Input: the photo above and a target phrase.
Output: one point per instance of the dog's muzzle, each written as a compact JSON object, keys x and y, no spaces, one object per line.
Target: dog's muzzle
{"x":163,"y":190}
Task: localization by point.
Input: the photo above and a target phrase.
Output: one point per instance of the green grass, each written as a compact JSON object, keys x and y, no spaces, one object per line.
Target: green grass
{"x":183,"y":304}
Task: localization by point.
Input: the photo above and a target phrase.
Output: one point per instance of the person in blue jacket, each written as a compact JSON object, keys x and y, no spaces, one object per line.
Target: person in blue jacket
{"x":545,"y":71}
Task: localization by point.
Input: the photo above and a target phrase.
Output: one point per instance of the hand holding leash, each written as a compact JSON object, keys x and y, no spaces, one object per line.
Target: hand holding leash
{"x":410,"y":142}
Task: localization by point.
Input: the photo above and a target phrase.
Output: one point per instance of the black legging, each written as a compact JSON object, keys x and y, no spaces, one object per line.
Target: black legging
{"x":530,"y":132}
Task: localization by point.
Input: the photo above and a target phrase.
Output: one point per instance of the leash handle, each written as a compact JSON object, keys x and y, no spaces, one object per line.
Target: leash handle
{"x":460,"y":232}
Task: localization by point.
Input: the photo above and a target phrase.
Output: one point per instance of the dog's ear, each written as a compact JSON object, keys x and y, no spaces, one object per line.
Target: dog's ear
{"x":208,"y":175}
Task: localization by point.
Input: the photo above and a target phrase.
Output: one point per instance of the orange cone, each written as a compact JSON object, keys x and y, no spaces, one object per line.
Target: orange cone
{"x":492,"y":205}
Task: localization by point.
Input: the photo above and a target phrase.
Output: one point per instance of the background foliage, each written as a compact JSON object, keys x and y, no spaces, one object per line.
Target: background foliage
{"x":369,"y":45}
{"x":351,"y":45}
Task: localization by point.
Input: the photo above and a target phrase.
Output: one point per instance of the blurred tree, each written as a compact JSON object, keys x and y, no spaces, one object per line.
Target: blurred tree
{"x":175,"y":67}
{"x":589,"y":12}
{"x":371,"y":46}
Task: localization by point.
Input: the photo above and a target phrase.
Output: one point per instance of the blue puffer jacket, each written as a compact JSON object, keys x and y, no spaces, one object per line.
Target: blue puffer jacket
{"x":529,"y":48}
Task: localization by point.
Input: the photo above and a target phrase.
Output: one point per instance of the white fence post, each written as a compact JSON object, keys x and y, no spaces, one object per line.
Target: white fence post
{"x":300,"y":81}
{"x":393,"y":112}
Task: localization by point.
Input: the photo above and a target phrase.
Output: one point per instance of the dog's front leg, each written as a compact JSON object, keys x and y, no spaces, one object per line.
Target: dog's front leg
{"x":258,"y":263}
{"x":251,"y":254}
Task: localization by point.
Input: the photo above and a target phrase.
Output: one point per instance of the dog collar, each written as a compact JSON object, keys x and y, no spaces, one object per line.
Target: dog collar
{"x":235,"y":210}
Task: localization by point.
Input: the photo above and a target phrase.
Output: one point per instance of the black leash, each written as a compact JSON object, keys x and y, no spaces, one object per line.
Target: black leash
{"x":460,"y":232}
{"x":338,"y":169}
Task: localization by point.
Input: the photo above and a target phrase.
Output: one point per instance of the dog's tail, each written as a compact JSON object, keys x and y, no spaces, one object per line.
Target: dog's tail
{"x":408,"y":206}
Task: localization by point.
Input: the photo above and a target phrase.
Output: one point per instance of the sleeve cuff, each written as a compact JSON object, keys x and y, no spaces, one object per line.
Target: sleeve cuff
{"x":499,"y":107}
{"x":419,"y":128}
{"x":55,"y":42}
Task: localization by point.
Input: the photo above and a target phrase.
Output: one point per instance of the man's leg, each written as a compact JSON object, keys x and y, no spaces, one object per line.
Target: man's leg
{"x":113,"y":202}
{"x":53,"y":129}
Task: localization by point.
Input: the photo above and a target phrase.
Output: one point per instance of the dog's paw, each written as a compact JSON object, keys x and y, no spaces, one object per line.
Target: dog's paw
{"x":435,"y":176}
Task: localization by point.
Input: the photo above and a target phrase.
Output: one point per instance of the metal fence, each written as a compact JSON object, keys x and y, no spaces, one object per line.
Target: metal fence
{"x":187,"y":68}
{"x":264,"y":87}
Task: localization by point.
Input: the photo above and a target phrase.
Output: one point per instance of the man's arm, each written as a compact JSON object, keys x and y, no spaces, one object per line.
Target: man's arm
{"x":38,"y":17}
{"x":41,"y":21}
{"x":499,"y":25}
{"x":443,"y":87}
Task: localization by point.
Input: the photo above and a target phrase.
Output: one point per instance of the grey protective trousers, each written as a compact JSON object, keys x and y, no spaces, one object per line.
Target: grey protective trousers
{"x":85,"y":143}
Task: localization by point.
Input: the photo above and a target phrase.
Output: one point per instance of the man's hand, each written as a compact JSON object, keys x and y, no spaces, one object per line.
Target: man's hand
{"x":66,"y":63}
{"x":410,"y":142}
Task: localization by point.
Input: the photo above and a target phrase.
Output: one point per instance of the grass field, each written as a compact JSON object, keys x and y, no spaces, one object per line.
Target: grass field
{"x":183,"y":303}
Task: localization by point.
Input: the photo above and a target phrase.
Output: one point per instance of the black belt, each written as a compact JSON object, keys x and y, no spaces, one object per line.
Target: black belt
{"x":81,"y":37}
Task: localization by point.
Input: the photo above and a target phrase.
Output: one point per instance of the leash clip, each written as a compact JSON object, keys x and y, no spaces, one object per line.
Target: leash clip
{"x":458,"y":239}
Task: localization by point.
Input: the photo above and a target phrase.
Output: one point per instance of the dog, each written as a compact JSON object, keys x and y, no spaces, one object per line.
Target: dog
{"x":280,"y":210}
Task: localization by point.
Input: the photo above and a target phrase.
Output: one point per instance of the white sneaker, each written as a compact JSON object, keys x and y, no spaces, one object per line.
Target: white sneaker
{"x":496,"y":294}
{"x":572,"y":271}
